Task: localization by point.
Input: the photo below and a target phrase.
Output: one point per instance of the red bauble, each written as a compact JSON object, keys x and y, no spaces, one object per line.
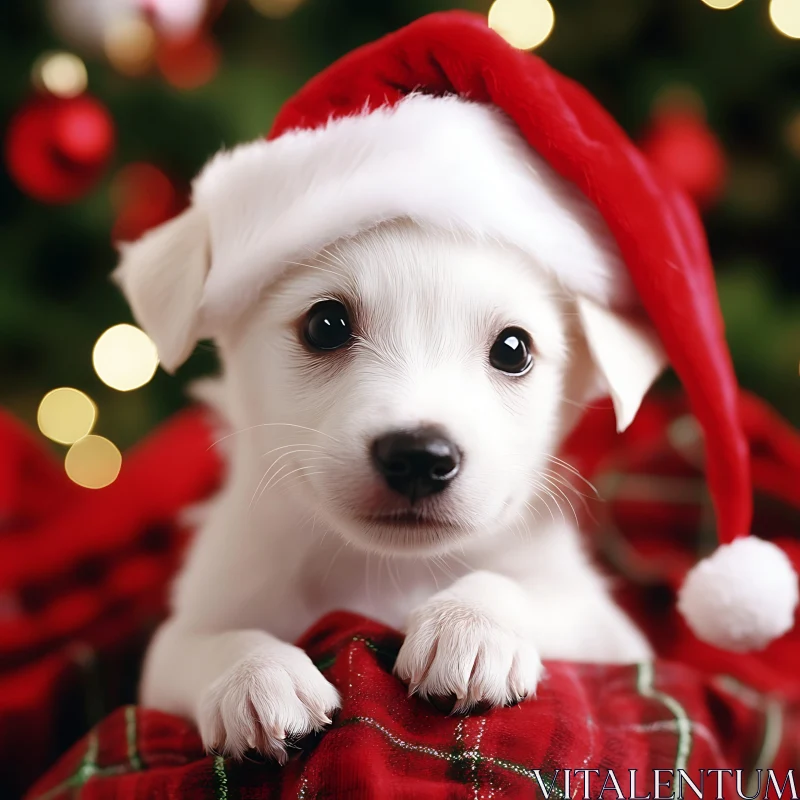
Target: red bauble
{"x":56,"y":149}
{"x":188,"y":62}
{"x":682,"y":144}
{"x":144,"y":197}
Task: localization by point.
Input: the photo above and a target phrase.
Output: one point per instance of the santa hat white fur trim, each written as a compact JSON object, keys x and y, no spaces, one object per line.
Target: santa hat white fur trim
{"x":742,"y":596}
{"x":445,"y":161}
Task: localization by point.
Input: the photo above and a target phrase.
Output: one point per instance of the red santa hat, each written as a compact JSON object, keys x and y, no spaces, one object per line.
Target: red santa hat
{"x":446,"y":123}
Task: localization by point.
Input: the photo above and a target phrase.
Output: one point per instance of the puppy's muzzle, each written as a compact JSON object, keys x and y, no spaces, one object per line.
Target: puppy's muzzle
{"x":416,"y":463}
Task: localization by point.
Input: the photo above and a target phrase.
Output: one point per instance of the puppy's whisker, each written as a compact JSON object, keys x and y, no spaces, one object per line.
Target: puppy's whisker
{"x":308,"y":265}
{"x":393,"y":576}
{"x":334,"y":256}
{"x":433,"y":575}
{"x":287,"y":446}
{"x":460,"y":561}
{"x":290,"y":453}
{"x":582,"y":498}
{"x":300,"y":480}
{"x":519,"y":528}
{"x":264,"y":482}
{"x":292,"y":472}
{"x":259,"y":491}
{"x":569,"y":486}
{"x":537,"y":512}
{"x":543,"y":494}
{"x":574,"y":471}
{"x":442,"y":564}
{"x":277,"y":472}
{"x":561,"y":493}
{"x":269,"y":425}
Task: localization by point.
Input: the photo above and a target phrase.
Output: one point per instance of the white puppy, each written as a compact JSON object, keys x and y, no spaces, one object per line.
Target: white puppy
{"x":395,"y":403}
{"x":405,"y":394}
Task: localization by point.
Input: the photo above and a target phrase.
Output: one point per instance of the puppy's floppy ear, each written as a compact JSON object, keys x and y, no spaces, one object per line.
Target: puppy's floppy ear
{"x":162,"y":276}
{"x":627,"y":353}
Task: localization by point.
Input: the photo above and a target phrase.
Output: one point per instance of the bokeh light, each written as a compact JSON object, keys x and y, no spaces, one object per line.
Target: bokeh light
{"x":125,"y":358}
{"x":93,"y":462}
{"x":177,"y":18}
{"x":792,"y":134}
{"x":277,"y":9}
{"x":60,"y":74}
{"x":785,"y":16}
{"x":722,"y":5}
{"x":130,"y":45}
{"x":66,"y":415}
{"x":188,"y":63}
{"x":525,"y":24}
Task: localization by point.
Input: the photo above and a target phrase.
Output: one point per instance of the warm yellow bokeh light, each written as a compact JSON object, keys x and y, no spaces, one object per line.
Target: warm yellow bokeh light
{"x":66,"y":415}
{"x":61,"y":74}
{"x":785,"y":16}
{"x":277,"y":9}
{"x":130,"y":45}
{"x":93,"y":462}
{"x":125,"y":358}
{"x":525,"y":24}
{"x":792,"y":135}
{"x":722,"y":4}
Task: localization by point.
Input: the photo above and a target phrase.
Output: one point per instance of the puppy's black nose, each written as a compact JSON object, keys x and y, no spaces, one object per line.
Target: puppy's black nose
{"x":416,"y":463}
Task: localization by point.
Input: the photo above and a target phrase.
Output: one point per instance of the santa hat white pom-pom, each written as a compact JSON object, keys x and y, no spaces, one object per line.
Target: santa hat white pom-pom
{"x":742,"y":596}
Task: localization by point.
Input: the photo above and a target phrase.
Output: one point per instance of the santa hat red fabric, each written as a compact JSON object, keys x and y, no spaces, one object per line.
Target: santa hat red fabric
{"x":445,"y":122}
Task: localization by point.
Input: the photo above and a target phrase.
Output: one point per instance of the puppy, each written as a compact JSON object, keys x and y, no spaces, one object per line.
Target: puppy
{"x":394,"y":402}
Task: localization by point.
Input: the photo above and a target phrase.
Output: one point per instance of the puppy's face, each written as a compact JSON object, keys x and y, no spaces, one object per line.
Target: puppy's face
{"x":411,"y":383}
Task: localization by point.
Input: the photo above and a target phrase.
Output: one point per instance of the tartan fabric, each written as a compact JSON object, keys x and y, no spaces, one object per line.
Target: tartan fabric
{"x":384,"y":745}
{"x":83,"y":577}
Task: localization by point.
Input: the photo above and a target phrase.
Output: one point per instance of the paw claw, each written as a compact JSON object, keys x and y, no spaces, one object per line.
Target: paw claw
{"x":468,"y":658}
{"x":255,"y":703}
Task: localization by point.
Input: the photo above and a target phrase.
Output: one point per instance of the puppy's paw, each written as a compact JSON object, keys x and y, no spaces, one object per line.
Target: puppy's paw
{"x":272,"y":694}
{"x":455,"y":649}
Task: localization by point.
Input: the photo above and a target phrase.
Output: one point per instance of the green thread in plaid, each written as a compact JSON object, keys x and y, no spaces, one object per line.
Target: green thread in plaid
{"x":220,"y":778}
{"x":645,"y":685}
{"x":131,"y":737}
{"x":773,"y":724}
{"x":462,"y":757}
{"x":87,"y":769}
{"x":773,"y":734}
{"x":327,"y":662}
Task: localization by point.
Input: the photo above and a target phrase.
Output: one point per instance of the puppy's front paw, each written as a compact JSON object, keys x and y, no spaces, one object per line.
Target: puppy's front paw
{"x":272,"y":694}
{"x":455,"y":649}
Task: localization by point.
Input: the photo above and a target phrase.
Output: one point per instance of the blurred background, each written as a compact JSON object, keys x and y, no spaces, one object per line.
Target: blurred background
{"x":108,"y":108}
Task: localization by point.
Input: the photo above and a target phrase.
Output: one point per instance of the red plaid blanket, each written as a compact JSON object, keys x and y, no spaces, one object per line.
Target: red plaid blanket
{"x":83,"y":578}
{"x":384,"y":745}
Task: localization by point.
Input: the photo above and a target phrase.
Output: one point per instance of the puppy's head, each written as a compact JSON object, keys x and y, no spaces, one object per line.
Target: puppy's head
{"x":431,"y":367}
{"x":408,"y":385}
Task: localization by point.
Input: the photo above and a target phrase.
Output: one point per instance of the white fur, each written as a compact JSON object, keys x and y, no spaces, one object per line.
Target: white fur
{"x":626,"y":381}
{"x":163,"y":276}
{"x":444,"y":161}
{"x":497,"y":584}
{"x":742,"y":596}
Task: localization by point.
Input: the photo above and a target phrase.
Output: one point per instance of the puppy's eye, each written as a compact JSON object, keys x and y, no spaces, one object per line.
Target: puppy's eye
{"x":511,"y":352}
{"x":327,"y":326}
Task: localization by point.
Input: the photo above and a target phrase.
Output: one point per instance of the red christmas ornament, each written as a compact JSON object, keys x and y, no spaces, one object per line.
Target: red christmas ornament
{"x":144,"y":197}
{"x":56,"y":149}
{"x":188,"y":62}
{"x":681,"y":144}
